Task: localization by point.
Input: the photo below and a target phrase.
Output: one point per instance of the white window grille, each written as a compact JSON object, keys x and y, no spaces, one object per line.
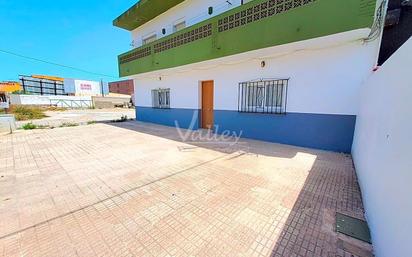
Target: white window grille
{"x":161,"y":98}
{"x":263,"y":96}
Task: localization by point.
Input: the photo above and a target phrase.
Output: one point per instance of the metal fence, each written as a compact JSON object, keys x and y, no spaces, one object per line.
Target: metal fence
{"x":41,"y":86}
{"x":263,"y":96}
{"x":72,"y":104}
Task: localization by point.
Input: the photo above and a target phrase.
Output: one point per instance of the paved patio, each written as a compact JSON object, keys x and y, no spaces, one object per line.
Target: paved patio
{"x":134,"y":189}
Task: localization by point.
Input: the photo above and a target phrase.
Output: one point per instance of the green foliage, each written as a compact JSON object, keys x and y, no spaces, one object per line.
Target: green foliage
{"x":29,"y":126}
{"x":27,"y":112}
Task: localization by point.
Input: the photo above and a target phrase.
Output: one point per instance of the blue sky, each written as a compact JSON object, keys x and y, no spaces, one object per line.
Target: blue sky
{"x":74,"y":33}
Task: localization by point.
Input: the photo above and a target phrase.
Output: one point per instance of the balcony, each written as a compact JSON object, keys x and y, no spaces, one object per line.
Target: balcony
{"x":257,"y":24}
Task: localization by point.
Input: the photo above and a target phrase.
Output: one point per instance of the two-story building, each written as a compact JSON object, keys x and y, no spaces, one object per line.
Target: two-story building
{"x":286,"y":71}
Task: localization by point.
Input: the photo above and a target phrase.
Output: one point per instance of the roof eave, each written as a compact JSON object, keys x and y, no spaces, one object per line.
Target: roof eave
{"x":142,"y":12}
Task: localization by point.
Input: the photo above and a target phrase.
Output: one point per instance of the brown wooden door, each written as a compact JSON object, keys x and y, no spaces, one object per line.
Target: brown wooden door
{"x":207,"y":104}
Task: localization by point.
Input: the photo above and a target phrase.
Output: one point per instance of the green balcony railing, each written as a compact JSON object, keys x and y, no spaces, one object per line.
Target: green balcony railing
{"x":257,"y":24}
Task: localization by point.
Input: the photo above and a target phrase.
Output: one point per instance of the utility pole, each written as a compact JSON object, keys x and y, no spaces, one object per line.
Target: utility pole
{"x":101,"y":86}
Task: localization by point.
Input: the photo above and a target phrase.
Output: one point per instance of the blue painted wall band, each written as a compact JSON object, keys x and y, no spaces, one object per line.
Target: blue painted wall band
{"x":168,"y":117}
{"x":322,"y":131}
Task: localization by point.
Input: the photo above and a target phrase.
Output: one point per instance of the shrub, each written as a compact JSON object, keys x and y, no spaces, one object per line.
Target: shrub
{"x":69,"y":124}
{"x":55,"y":108}
{"x":27,"y":113}
{"x":29,"y":126}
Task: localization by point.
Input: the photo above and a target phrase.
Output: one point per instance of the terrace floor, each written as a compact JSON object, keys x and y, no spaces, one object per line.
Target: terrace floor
{"x":134,"y":189}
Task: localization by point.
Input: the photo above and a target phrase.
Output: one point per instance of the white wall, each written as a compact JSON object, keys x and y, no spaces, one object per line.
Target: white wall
{"x":325,"y":80}
{"x":48,"y":100}
{"x":382,"y":153}
{"x":192,"y":11}
{"x":7,"y":123}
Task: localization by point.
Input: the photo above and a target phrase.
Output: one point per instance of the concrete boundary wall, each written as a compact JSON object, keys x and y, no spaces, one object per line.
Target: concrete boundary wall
{"x":110,"y":102}
{"x":7,"y":124}
{"x":382,"y":154}
{"x":60,"y":101}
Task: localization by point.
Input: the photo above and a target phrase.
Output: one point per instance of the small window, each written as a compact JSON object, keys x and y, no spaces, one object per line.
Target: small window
{"x":161,"y":98}
{"x":179,"y":26}
{"x":264,"y":96}
{"x":149,"y":39}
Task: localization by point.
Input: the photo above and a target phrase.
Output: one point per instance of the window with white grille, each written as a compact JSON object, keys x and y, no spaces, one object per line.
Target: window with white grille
{"x":263,"y":96}
{"x":161,"y":98}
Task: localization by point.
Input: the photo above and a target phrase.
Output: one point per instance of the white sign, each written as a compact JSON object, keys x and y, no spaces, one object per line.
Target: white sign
{"x":82,"y":87}
{"x":89,"y":88}
{"x":86,"y":87}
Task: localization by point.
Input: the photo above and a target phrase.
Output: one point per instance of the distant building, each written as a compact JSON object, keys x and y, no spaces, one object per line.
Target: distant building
{"x":50,"y":85}
{"x":286,"y":71}
{"x":125,"y":87}
{"x":6,"y":88}
{"x":9,"y":86}
{"x":42,"y":85}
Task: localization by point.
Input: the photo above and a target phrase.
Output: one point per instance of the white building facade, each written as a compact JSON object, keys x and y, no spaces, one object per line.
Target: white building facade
{"x":266,"y":69}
